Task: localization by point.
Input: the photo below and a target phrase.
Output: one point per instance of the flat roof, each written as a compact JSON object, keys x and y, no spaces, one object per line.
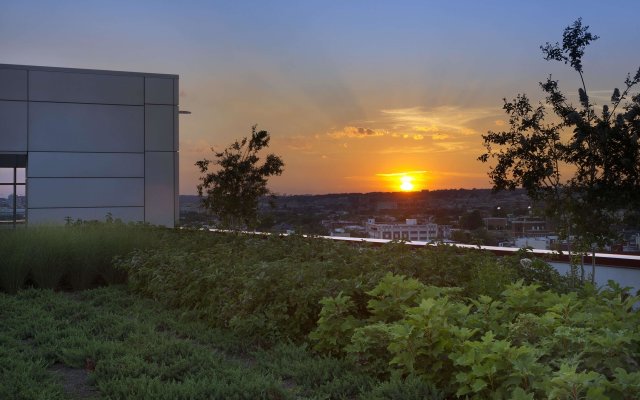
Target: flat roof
{"x":86,"y":71}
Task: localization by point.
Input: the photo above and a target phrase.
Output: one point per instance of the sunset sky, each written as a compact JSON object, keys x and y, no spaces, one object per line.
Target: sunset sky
{"x":356,"y":94}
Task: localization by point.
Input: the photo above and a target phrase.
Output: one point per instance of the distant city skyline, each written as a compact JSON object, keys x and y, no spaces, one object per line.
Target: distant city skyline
{"x":359,"y":96}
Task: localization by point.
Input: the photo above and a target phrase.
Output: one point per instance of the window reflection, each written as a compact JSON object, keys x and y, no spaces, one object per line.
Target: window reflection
{"x":21,"y":175}
{"x":6,"y":175}
{"x":13,"y":199}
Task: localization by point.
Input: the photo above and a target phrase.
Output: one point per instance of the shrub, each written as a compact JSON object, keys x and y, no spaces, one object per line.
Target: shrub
{"x":527,"y":343}
{"x":409,"y":388}
{"x":76,"y":256}
{"x":270,"y":287}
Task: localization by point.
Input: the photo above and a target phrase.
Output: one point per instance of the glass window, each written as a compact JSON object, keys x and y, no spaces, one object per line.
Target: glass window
{"x":21,"y":175}
{"x":13,"y":199}
{"x":21,"y":204}
{"x":6,"y":175}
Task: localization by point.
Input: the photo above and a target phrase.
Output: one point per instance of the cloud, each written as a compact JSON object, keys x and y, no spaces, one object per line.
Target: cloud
{"x":460,"y":174}
{"x":438,"y":123}
{"x":403,"y":173}
{"x":405,"y":150}
{"x":453,"y":120}
{"x":418,"y":175}
{"x":423,"y":128}
{"x":440,"y":147}
{"x":439,"y":136}
{"x":452,"y":146}
{"x":415,"y":130}
{"x":356,"y":132}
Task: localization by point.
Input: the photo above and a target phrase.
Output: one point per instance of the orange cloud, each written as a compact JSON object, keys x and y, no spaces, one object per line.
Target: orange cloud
{"x":455,"y":120}
{"x":439,"y":136}
{"x":452,"y":146}
{"x":403,"y":173}
{"x":404,"y":150}
{"x":356,"y":132}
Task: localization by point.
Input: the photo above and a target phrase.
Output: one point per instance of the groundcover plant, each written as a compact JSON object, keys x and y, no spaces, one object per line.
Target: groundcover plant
{"x":467,"y":323}
{"x":243,"y":316}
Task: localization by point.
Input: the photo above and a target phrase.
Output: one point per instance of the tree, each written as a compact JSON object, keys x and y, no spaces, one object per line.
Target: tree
{"x":472,"y":220}
{"x":234,"y":190}
{"x":584,"y":164}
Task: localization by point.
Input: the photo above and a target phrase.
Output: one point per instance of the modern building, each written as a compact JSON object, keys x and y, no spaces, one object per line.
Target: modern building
{"x":410,"y":230}
{"x":82,"y":144}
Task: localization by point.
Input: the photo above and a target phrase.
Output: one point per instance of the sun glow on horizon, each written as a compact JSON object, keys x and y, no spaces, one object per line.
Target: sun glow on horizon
{"x":405,"y":183}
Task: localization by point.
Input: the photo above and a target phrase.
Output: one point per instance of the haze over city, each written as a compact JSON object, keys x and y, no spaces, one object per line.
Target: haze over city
{"x":358,"y":96}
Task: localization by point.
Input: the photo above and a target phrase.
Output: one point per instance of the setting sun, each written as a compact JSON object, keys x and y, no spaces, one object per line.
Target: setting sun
{"x":406,"y":185}
{"x":406,"y":181}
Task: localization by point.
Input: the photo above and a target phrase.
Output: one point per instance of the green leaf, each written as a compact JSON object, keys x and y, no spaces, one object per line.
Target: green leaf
{"x":478,"y":385}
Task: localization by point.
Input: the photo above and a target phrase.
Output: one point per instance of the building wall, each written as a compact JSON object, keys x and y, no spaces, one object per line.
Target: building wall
{"x":411,"y":231}
{"x":97,"y":142}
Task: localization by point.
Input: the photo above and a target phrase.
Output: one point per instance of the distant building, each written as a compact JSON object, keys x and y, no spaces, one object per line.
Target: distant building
{"x":529,"y":228}
{"x":339,"y":232}
{"x":539,"y":242}
{"x":410,"y":230}
{"x":495,"y":223}
{"x":82,"y":144}
{"x":444,"y":232}
{"x":630,"y":241}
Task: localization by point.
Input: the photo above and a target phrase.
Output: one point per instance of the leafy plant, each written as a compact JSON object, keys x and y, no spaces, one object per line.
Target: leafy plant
{"x":601,"y":149}
{"x":233,"y":191}
{"x":529,"y":343}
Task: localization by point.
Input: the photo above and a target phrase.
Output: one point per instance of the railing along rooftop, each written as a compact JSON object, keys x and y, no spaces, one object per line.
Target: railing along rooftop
{"x":602,"y":259}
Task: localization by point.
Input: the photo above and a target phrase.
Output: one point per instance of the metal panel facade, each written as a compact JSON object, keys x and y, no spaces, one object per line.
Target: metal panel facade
{"x":97,"y":142}
{"x":85,"y":127}
{"x":85,"y":165}
{"x":159,"y":188}
{"x":85,"y":192}
{"x":176,"y":177}
{"x":55,"y":215}
{"x":85,"y":88}
{"x":158,"y":128}
{"x":13,"y":84}
{"x":158,"y":91}
{"x":13,"y":126}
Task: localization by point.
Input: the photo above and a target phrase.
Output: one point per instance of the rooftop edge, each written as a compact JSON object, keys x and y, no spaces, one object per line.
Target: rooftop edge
{"x":86,"y":71}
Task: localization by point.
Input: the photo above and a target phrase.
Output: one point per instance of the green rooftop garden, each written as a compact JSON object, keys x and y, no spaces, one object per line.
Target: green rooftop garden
{"x":127,"y":311}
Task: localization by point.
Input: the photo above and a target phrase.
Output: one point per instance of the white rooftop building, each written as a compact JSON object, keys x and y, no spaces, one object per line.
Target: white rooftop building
{"x":539,"y":243}
{"x":410,"y":230}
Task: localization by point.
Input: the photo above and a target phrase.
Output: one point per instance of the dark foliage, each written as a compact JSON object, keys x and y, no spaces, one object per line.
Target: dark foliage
{"x":233,"y":191}
{"x":601,"y":149}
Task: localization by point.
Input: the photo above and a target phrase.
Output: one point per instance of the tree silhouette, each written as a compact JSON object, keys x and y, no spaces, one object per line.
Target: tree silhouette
{"x":233,"y":191}
{"x":582,"y":162}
